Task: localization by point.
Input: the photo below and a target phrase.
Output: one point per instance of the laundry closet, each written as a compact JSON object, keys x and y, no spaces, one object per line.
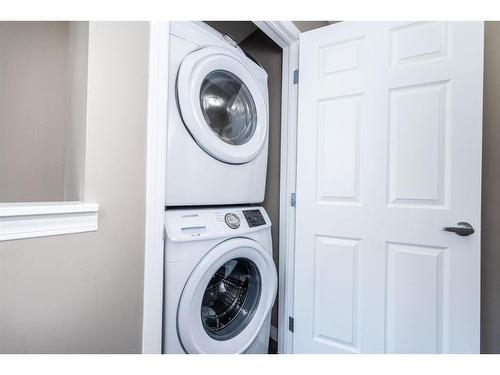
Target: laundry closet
{"x":222,"y":189}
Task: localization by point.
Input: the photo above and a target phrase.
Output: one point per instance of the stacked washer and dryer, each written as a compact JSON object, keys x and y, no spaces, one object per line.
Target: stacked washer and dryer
{"x":220,"y":278}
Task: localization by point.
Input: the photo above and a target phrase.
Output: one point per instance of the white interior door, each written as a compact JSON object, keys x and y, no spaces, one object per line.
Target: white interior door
{"x":389,"y":153}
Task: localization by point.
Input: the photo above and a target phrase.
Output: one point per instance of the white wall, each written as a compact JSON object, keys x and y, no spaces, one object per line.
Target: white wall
{"x":82,"y":293}
{"x":76,"y":114}
{"x":33,"y":59}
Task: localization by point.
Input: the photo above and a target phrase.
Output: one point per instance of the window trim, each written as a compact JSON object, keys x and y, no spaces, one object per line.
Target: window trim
{"x":40,"y":219}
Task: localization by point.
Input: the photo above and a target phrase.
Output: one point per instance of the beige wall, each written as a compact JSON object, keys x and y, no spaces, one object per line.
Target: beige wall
{"x":43,"y":81}
{"x":490,"y":235}
{"x":82,"y":293}
{"x":33,"y":59}
{"x":269,"y":55}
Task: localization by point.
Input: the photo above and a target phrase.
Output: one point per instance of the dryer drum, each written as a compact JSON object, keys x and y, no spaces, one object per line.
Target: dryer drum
{"x":228,"y":107}
{"x":231,"y":299}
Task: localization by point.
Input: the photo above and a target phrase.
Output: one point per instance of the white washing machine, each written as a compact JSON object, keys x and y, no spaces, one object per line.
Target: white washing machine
{"x":217,"y":120}
{"x":220,"y":281}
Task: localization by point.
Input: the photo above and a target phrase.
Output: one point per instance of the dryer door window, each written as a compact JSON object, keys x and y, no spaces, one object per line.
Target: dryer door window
{"x":223,"y":102}
{"x":231,"y":298}
{"x":228,"y":107}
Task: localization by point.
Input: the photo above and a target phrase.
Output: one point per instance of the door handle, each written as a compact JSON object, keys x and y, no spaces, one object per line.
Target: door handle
{"x":462,"y":229}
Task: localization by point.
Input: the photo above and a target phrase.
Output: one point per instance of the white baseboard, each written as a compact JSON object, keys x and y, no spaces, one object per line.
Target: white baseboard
{"x":274,"y":333}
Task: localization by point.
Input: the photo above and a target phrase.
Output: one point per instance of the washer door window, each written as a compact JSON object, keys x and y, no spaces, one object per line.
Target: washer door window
{"x":231,"y":298}
{"x":227,"y":298}
{"x":222,"y":104}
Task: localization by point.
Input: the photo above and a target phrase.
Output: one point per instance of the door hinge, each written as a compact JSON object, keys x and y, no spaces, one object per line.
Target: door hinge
{"x":293,"y":200}
{"x":290,"y":323}
{"x":295,"y":76}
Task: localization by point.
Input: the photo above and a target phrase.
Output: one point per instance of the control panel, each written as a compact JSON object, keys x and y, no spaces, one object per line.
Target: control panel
{"x":254,"y":218}
{"x":191,"y":224}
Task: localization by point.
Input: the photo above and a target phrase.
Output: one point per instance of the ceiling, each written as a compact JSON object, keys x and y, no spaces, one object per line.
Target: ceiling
{"x":237,"y":30}
{"x":311,"y":25}
{"x":240,"y":30}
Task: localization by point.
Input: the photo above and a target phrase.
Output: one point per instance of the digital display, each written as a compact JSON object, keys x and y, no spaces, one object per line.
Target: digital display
{"x":254,"y":218}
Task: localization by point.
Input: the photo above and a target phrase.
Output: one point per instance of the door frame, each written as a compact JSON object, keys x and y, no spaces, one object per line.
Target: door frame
{"x":152,"y":313}
{"x":286,"y":35}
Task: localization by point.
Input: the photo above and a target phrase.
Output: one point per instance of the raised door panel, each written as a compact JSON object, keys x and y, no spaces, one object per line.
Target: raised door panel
{"x":338,"y":149}
{"x":419,"y":42}
{"x":418,"y":118}
{"x":416,"y":288}
{"x":335,"y":297}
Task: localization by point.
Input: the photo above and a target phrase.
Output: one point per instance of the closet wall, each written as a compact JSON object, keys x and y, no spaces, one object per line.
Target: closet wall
{"x":269,"y":55}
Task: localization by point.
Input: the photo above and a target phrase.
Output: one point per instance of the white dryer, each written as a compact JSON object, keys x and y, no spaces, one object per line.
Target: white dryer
{"x":220,"y":281}
{"x":217,"y":120}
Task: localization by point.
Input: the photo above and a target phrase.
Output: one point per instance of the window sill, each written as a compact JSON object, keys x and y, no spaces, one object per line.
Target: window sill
{"x":28,"y":220}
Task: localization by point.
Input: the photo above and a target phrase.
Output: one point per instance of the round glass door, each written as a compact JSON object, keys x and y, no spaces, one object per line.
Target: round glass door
{"x":227,"y":298}
{"x":231,"y":299}
{"x":223,"y":103}
{"x":228,"y":107}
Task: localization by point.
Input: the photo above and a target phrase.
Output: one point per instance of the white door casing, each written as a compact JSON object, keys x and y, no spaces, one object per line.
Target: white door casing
{"x":389,"y":153}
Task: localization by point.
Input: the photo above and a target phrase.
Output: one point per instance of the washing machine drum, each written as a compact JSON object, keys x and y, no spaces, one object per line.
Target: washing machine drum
{"x":227,"y":298}
{"x":222,"y":104}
